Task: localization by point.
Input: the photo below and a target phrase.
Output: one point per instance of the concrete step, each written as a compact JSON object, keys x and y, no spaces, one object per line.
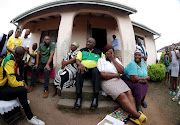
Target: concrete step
{"x":41,"y":80}
{"x":87,"y":82}
{"x":87,"y":94}
{"x":103,"y":106}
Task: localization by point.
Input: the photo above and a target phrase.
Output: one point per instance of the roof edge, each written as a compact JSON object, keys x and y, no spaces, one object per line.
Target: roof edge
{"x":73,"y":2}
{"x":145,"y":28}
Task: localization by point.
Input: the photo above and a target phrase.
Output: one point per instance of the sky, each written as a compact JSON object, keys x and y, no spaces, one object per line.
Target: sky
{"x":163,"y":16}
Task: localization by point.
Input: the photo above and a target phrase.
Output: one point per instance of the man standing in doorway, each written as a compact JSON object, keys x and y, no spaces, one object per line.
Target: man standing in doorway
{"x":115,"y":44}
{"x":45,"y":52}
{"x":3,"y":41}
{"x":141,"y":48}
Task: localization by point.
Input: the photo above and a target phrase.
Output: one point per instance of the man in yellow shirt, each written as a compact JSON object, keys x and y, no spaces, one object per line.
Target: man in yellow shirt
{"x":14,"y":42}
{"x":11,"y":45}
{"x":12,"y":86}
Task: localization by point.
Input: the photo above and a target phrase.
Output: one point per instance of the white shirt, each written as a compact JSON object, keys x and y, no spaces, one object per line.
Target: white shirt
{"x":25,"y":43}
{"x":106,"y":66}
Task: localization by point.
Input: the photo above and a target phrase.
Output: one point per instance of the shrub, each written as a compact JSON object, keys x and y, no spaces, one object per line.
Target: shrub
{"x":162,"y":59}
{"x":156,"y":72}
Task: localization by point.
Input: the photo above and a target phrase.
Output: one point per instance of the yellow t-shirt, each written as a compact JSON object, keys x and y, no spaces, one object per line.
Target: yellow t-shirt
{"x":30,"y":62}
{"x":11,"y":43}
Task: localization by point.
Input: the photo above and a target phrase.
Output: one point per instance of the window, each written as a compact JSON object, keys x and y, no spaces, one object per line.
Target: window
{"x":142,"y":40}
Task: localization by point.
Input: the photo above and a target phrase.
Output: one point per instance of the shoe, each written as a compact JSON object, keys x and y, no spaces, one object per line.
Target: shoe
{"x":174,"y":93}
{"x":170,"y":92}
{"x":144,"y":104}
{"x":135,"y":121}
{"x":35,"y":121}
{"x":139,"y":109}
{"x":142,"y":118}
{"x":31,"y":89}
{"x":179,"y":103}
{"x":77,"y":104}
{"x":45,"y":95}
{"x":177,"y":87}
{"x":94,"y":103}
{"x":175,"y":99}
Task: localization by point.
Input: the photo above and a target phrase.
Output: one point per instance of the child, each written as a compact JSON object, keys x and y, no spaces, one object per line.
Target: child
{"x":31,"y":61}
{"x":176,"y":97}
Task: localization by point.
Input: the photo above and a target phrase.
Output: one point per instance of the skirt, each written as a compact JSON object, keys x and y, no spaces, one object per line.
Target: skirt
{"x":175,"y":69}
{"x":138,"y":90}
{"x":114,"y":87}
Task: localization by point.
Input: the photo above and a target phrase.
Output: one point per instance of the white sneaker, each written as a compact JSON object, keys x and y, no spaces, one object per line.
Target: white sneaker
{"x":35,"y":121}
{"x":175,"y":99}
{"x":177,"y":87}
{"x":179,"y":102}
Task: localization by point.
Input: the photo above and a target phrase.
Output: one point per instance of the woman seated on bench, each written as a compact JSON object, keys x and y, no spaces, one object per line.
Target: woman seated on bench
{"x":65,"y":77}
{"x":110,"y":69}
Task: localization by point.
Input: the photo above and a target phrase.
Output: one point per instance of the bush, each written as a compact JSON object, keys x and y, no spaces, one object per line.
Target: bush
{"x":162,"y":59}
{"x":156,"y":72}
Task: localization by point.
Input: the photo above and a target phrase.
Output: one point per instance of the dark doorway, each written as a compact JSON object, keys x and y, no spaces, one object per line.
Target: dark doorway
{"x":100,"y":36}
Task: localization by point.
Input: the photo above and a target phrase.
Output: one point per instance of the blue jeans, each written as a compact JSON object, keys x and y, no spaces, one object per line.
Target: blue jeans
{"x":46,"y":74}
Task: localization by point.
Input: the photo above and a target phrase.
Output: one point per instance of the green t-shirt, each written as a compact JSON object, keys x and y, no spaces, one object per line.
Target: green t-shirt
{"x":45,"y":51}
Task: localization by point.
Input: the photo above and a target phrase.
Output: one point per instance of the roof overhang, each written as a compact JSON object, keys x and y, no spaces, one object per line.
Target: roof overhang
{"x":145,"y":28}
{"x":114,"y":5}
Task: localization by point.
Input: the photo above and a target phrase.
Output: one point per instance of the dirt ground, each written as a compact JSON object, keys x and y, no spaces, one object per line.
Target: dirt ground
{"x":161,"y":110}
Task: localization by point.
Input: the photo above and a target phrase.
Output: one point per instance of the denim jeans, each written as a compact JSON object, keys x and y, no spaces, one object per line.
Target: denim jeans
{"x":46,"y":74}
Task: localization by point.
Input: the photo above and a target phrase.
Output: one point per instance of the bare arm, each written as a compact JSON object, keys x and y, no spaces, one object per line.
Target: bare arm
{"x":37,"y":60}
{"x":177,"y":54}
{"x":108,"y":76}
{"x":10,"y":50}
{"x":118,"y":66}
{"x":49,"y":61}
{"x":64,"y":63}
{"x":50,"y":58}
{"x":135,"y":78}
{"x":32,"y":55}
{"x":80,"y":68}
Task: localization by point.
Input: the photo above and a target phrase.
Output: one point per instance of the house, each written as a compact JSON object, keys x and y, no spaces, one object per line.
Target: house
{"x":163,"y":48}
{"x":66,"y":21}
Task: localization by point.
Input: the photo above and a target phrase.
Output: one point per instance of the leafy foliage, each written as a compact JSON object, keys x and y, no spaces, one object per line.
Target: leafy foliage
{"x":162,"y":59}
{"x":156,"y":72}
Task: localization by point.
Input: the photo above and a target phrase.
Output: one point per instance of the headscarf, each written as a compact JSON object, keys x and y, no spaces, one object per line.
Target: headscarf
{"x":76,"y":44}
{"x":137,"y":50}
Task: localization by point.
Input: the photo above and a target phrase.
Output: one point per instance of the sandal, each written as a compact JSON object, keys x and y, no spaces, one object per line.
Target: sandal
{"x":142,"y":118}
{"x":135,"y":121}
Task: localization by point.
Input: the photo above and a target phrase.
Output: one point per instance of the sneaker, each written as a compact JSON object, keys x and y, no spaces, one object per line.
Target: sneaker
{"x":175,"y":99}
{"x":31,"y":89}
{"x":45,"y":95}
{"x":35,"y":121}
{"x":177,"y":87}
{"x":179,"y":103}
{"x":174,"y":93}
{"x":170,"y":92}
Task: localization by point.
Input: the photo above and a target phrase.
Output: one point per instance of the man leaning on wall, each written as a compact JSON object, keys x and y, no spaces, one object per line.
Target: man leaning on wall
{"x":45,"y":54}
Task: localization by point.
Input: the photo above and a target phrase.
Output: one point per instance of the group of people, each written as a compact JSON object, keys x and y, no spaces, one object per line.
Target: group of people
{"x":104,"y":69}
{"x":107,"y":73}
{"x":14,"y":86}
{"x":172,"y":69}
